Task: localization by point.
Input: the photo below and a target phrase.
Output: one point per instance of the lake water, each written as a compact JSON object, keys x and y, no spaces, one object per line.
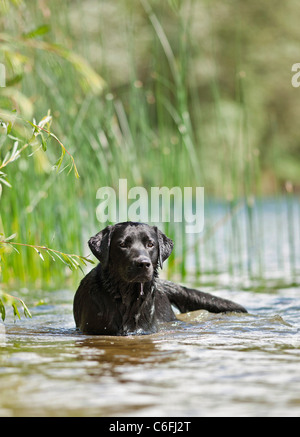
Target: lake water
{"x":202,"y":365}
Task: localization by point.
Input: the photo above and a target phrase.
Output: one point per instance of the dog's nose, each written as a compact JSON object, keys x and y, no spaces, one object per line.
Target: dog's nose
{"x":143,"y":263}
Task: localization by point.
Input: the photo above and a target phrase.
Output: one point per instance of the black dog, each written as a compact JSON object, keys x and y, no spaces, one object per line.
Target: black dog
{"x":123,"y":294}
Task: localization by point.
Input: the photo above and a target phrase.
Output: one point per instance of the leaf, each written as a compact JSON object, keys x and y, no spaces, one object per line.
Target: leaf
{"x":60,"y":160}
{"x":16,"y":311}
{"x":87,"y":259}
{"x":3,"y":181}
{"x":68,"y":260}
{"x":45,"y":120}
{"x":82,"y":260}
{"x":41,"y":30}
{"x":15,"y":153}
{"x":76,"y":171}
{"x":56,"y":254}
{"x":9,"y":127}
{"x":14,"y":80}
{"x":50,"y":254}
{"x":44,"y":143}
{"x":2,"y":310}
{"x":5,"y":159}
{"x":40,"y":255}
{"x":74,"y":261}
{"x":14,"y":248}
{"x":12,"y":300}
{"x":11,"y":237}
{"x":25,"y":309}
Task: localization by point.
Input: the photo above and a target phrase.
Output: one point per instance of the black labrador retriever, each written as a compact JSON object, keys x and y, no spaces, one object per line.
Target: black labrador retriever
{"x":123,"y":294}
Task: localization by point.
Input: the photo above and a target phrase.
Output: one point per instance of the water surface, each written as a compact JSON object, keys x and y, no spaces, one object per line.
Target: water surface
{"x":202,"y":365}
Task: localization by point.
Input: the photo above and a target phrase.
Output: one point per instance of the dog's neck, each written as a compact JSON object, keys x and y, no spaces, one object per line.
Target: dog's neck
{"x":136,"y":302}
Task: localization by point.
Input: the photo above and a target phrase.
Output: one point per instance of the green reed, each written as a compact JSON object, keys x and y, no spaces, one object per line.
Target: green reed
{"x":156,"y":130}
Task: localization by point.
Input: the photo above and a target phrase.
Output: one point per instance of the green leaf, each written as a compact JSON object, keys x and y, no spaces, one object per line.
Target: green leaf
{"x":25,"y":309}
{"x":9,"y":127}
{"x":50,"y":254}
{"x":76,"y":172}
{"x":40,"y":255}
{"x":11,"y":237}
{"x":59,"y":257}
{"x":41,"y":30}
{"x":14,"y":80}
{"x":44,"y":143}
{"x":2,"y":310}
{"x":3,"y":181}
{"x":68,"y":261}
{"x":58,"y":163}
{"x":87,"y":260}
{"x":16,"y":311}
{"x":14,"y":248}
{"x":7,"y":299}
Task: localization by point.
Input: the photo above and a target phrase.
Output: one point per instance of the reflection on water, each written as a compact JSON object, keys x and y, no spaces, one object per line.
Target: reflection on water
{"x":244,"y":244}
{"x":203,"y":365}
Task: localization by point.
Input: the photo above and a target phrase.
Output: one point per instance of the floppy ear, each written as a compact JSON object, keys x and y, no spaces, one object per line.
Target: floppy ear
{"x":100,"y":244}
{"x":165,"y":247}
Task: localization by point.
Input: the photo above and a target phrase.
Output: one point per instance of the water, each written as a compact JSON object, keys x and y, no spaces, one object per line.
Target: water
{"x":243,"y":247}
{"x":202,"y":365}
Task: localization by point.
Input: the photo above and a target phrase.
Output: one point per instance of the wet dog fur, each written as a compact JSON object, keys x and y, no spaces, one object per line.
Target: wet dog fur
{"x":123,"y":294}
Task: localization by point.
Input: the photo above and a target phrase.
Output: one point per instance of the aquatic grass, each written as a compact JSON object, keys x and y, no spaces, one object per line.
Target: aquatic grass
{"x":157,"y":128}
{"x":36,"y":141}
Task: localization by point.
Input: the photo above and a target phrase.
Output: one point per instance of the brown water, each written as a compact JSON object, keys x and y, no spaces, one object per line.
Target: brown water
{"x":203,"y":365}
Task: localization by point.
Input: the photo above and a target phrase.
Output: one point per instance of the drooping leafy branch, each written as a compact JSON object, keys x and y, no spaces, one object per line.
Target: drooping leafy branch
{"x":71,"y":260}
{"x":39,"y":137}
{"x":39,"y":131}
{"x":8,"y":299}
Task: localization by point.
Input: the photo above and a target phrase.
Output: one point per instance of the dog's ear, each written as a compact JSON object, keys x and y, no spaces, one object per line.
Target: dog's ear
{"x":165,"y":247}
{"x":100,"y":244}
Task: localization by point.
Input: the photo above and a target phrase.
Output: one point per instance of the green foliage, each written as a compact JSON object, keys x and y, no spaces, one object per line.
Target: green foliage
{"x":8,"y":299}
{"x":36,"y":141}
{"x":176,"y":93}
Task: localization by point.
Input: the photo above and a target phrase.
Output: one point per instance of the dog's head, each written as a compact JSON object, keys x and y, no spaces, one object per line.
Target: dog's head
{"x":133,"y":251}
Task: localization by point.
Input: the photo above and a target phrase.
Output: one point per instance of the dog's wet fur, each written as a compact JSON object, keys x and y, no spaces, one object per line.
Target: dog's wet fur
{"x":123,"y":294}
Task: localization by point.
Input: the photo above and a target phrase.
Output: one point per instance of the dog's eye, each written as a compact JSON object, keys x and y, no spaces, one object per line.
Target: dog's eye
{"x":150,"y":244}
{"x":122,"y":244}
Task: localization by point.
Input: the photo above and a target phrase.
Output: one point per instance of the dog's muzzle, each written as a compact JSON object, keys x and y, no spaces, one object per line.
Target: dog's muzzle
{"x":140,"y":270}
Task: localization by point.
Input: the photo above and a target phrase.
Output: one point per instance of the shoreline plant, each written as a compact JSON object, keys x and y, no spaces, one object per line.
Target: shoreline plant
{"x":39,"y":139}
